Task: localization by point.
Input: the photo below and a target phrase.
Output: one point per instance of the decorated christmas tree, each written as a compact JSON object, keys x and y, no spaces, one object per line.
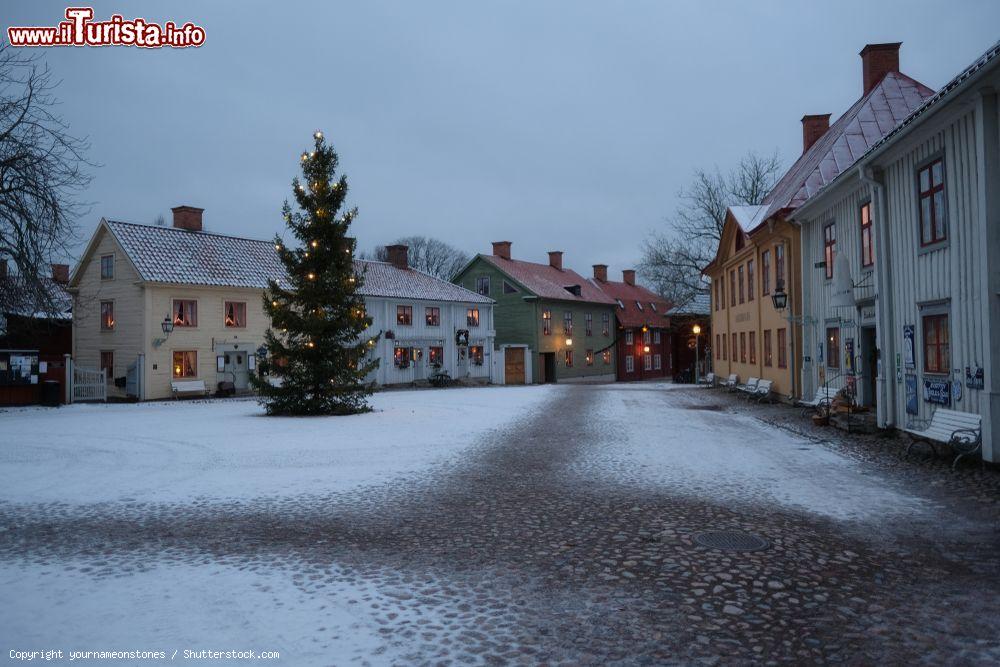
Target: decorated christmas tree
{"x":317,"y":345}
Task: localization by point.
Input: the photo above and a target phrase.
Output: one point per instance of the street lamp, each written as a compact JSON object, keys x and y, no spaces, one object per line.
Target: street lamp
{"x":696,"y":329}
{"x":780,"y":297}
{"x":167,"y":325}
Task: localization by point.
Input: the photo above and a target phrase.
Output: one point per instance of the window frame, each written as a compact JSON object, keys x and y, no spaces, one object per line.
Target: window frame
{"x":404,"y":315}
{"x":928,"y":166}
{"x":937,"y":368}
{"x":765,"y":272}
{"x":588,"y":324}
{"x":432,"y":316}
{"x":768,"y":352}
{"x":481,"y":281}
{"x":750,"y":281}
{"x":225,"y":314}
{"x":567,"y":322}
{"x":867,"y":253}
{"x":779,"y":266}
{"x":546,"y":322}
{"x":605,"y":324}
{"x":629,"y":337}
{"x":111,"y":276}
{"x":173,"y":365}
{"x":107,"y":324}
{"x":194,"y":313}
{"x":752,"y":346}
{"x":472,"y":316}
{"x":832,"y":351}
{"x":629,"y":363}
{"x":781,"y":341}
{"x":829,"y":248}
{"x":740,"y":279}
{"x":743,"y":347}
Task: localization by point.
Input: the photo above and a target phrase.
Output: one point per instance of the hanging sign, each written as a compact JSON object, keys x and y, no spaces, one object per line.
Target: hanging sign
{"x":912,"y":407}
{"x":937,"y":391}
{"x":974,"y":378}
{"x":909,"y":351}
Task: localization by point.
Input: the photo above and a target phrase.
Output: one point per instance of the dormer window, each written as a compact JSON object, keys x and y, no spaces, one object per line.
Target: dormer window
{"x":653,"y":306}
{"x":638,"y":305}
{"x":740,"y":241}
{"x":573,"y":289}
{"x":620,"y":304}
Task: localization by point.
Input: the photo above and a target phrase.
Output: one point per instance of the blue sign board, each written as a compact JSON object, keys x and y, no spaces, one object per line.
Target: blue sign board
{"x":912,"y":407}
{"x":937,"y":391}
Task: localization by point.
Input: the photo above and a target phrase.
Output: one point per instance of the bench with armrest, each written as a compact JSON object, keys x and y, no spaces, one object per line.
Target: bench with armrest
{"x":749,"y":387}
{"x":732,"y":382}
{"x":962,"y":431}
{"x":188,"y":388}
{"x":823,"y":399}
{"x":762,"y":392}
{"x":710,"y":380}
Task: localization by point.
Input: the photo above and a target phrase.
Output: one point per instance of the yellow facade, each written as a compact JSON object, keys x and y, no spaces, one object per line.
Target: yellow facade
{"x":745,"y":275}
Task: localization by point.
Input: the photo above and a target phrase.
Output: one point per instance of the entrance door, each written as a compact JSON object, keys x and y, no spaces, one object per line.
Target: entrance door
{"x":513,"y":365}
{"x":236,"y":368}
{"x":869,"y":365}
{"x":548,"y":366}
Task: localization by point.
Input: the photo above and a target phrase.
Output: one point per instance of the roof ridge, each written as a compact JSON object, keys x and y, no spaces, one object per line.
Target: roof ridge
{"x":185,"y":231}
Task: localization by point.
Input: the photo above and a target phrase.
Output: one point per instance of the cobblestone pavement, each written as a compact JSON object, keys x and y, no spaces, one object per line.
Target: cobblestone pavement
{"x":523,"y":564}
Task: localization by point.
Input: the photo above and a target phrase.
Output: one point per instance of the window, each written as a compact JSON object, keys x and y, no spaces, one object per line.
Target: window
{"x":108,"y":363}
{"x":652,"y":306}
{"x":404,"y":316}
{"x":718,"y":296}
{"x":779,"y":266}
{"x":569,"y":358}
{"x":472,"y":317}
{"x":638,"y":305}
{"x":657,"y":362}
{"x":718,"y":347}
{"x":629,"y":364}
{"x":476,"y":355}
{"x":646,"y":335}
{"x":483,"y":285}
{"x":620,"y":304}
{"x":435,"y":355}
{"x":724,"y":347}
{"x":739,"y":271}
{"x":829,"y":247}
{"x":656,"y":336}
{"x":509,"y":289}
{"x":432,"y":316}
{"x":568,"y":322}
{"x":743,"y":347}
{"x":607,"y":357}
{"x":647,"y":362}
{"x":930,"y":184}
{"x":107,"y":315}
{"x":236,"y":313}
{"x":590,"y":357}
{"x":588,"y":324}
{"x":867,"y":250}
{"x":768,"y":359}
{"x":546,"y":322}
{"x":185,"y":364}
{"x":605,"y":324}
{"x":733,"y":347}
{"x":753,"y":347}
{"x":629,"y":337}
{"x":765,"y":272}
{"x":782,"y":351}
{"x":185,"y":313}
{"x":750,"y":267}
{"x":401,"y":355}
{"x":732,"y":288}
{"x":937,"y":356}
{"x":107,"y":267}
{"x":832,"y":347}
{"x":740,"y":241}
{"x":722,"y":286}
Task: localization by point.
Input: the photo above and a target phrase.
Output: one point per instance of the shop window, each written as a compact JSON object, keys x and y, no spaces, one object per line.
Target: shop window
{"x":401,"y":357}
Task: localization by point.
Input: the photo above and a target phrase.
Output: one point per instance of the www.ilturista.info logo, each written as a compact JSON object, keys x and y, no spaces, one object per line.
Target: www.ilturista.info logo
{"x":80,"y":30}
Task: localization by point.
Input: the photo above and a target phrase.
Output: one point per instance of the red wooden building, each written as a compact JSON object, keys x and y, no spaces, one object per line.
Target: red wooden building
{"x":642,"y":344}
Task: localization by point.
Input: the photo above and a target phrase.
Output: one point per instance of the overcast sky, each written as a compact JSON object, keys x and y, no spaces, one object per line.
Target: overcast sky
{"x":555,"y":125}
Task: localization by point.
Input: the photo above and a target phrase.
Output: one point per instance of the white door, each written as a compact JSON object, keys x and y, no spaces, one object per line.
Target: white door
{"x":236,"y":370}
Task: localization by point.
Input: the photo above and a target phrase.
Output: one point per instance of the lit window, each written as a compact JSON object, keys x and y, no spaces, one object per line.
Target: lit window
{"x":867,"y":249}
{"x":432,"y":316}
{"x":185,"y":364}
{"x":472,"y":317}
{"x":569,"y":358}
{"x":832,"y":347}
{"x":404,"y":315}
{"x":568,"y":322}
{"x":829,"y":248}
{"x":185,"y":313}
{"x":436,"y":356}
{"x":236,"y":313}
{"x":107,"y":315}
{"x":607,"y":357}
{"x":590,"y":357}
{"x":401,"y":357}
{"x":546,"y":322}
{"x":476,"y":354}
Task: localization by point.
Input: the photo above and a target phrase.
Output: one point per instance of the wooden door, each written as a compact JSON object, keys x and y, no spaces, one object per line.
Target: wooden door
{"x":513,"y":363}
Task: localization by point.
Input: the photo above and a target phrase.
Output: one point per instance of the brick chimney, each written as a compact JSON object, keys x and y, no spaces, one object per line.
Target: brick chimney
{"x":601,"y":272}
{"x":60,"y":273}
{"x":877,"y":60}
{"x":398,"y":256}
{"x":187,"y":217}
{"x":813,"y":127}
{"x":501,"y":249}
{"x":555,"y":259}
{"x":628,"y":275}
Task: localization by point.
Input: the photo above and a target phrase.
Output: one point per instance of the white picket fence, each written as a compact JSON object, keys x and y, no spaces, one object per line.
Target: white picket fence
{"x":89,"y":385}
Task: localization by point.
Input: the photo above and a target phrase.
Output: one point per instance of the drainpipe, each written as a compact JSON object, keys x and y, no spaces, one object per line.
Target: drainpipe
{"x":885,"y":333}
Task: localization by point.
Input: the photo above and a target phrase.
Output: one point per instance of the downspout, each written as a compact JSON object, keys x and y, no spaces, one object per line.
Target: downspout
{"x":885,"y":339}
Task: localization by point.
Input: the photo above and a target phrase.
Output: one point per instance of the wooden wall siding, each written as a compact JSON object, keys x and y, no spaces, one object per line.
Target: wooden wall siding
{"x":127,"y":338}
{"x":950,"y":272}
{"x":419,"y":334}
{"x":514,"y":318}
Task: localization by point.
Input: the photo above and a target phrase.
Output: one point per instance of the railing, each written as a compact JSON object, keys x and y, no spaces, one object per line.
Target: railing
{"x":89,"y":385}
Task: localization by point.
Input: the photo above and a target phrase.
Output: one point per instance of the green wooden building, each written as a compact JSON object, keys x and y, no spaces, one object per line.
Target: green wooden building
{"x":552,"y":325}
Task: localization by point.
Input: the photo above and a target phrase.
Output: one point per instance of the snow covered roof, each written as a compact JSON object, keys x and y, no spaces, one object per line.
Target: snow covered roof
{"x":18,"y":297}
{"x":700,"y":304}
{"x":179,"y":256}
{"x":872,"y":117}
{"x":549,"y":282}
{"x":639,"y":306}
{"x":748,"y":217}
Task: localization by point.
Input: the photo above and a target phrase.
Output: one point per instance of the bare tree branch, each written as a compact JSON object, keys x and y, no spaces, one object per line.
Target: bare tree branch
{"x":427,"y":254}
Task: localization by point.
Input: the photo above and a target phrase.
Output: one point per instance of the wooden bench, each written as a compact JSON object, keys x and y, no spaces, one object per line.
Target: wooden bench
{"x":732,"y":382}
{"x":962,"y":431}
{"x":762,"y":391}
{"x":823,"y":399}
{"x":188,"y":387}
{"x":749,"y":387}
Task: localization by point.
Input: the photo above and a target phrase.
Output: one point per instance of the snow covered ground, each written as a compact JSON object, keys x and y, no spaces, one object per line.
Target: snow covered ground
{"x":183,"y":451}
{"x":649,"y":435}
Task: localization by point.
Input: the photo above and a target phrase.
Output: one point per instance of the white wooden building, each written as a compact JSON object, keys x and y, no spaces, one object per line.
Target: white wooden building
{"x":901,"y":285}
{"x":132,"y":279}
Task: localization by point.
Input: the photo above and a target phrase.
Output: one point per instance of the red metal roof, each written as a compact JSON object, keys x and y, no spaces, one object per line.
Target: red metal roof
{"x":638,"y":305}
{"x":548,"y":282}
{"x":861,"y":127}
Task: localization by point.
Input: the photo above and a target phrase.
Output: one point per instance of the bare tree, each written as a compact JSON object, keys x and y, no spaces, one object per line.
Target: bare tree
{"x":672,"y":259}
{"x":427,"y":254}
{"x":41,"y":176}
